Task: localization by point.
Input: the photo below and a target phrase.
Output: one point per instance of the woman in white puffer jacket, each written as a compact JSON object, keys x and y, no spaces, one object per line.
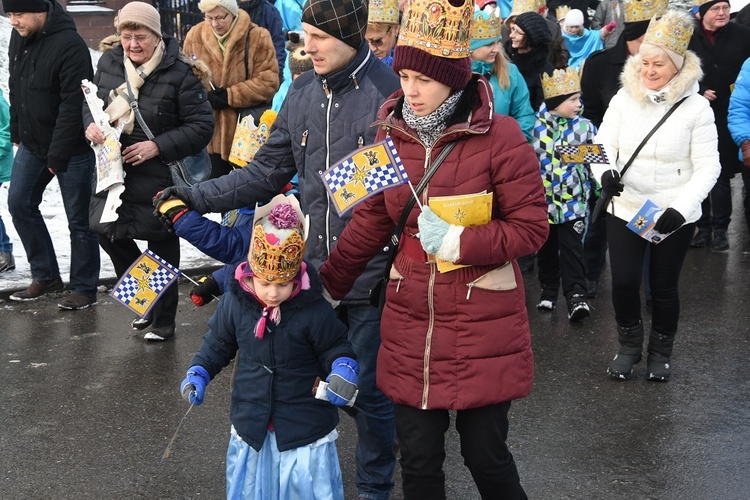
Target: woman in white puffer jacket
{"x":676,"y":169}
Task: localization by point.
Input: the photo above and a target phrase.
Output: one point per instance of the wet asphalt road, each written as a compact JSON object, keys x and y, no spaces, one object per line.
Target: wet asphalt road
{"x":87,"y":408}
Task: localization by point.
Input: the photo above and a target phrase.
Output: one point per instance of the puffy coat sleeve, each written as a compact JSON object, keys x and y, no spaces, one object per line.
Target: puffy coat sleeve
{"x":739,"y":106}
{"x":704,"y":156}
{"x":264,"y":79}
{"x":226,"y":244}
{"x":519,"y":226}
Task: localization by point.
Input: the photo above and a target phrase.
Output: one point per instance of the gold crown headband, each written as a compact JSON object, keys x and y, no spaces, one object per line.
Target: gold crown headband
{"x":437,"y":27}
{"x":486,"y":26}
{"x":383,"y":11}
{"x":562,"y":82}
{"x":521,"y":6}
{"x":671,"y":31}
{"x":643,"y":10}
{"x":561,"y":12}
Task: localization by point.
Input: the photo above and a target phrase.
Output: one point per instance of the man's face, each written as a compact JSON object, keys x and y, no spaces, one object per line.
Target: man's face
{"x":717,"y":16}
{"x":27,"y":23}
{"x":328,"y":54}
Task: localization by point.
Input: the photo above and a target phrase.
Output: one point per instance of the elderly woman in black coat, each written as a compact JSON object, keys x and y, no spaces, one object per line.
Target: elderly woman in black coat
{"x":172,"y":102}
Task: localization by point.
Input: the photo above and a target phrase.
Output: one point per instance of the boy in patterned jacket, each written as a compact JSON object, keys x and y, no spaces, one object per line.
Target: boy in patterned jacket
{"x":559,"y":123}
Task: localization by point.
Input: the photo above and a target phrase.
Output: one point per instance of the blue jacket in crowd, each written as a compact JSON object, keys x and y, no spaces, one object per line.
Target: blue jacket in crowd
{"x":739,"y":107}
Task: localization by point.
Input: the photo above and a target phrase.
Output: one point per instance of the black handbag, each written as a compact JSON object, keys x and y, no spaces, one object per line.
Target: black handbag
{"x":255,"y":111}
{"x":377,"y":293}
{"x":604,"y":199}
{"x":185,"y":172}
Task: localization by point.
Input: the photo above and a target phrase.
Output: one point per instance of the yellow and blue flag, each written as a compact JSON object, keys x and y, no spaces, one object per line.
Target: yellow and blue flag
{"x":145,"y":282}
{"x":364,"y":173}
{"x":583,"y":153}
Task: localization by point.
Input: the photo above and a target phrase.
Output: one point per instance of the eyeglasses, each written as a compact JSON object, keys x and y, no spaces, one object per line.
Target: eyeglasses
{"x":138,"y":38}
{"x":719,"y":8}
{"x":218,"y":19}
{"x":377,"y":42}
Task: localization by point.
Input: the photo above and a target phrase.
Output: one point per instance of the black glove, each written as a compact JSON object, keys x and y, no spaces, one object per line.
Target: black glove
{"x":611,"y":185}
{"x":168,"y":211}
{"x":671,"y":220}
{"x":218,"y":98}
{"x":183,"y":193}
{"x":205,"y":291}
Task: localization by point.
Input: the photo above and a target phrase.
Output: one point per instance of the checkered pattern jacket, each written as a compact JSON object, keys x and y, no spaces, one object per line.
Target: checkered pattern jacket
{"x":566,"y":186}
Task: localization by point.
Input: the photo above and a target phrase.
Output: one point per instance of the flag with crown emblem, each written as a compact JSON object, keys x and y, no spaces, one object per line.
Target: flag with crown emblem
{"x":144,"y":283}
{"x":583,"y":153}
{"x":364,"y":173}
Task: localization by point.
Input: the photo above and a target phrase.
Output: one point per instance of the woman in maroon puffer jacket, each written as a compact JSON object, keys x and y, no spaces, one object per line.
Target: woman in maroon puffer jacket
{"x":457,"y":340}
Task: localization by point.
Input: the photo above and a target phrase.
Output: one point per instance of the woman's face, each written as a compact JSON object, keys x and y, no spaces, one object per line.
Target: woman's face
{"x":423,"y":94}
{"x":220,"y":20}
{"x":517,"y":38}
{"x":486,"y":53}
{"x":657,"y":71}
{"x":382,"y":41}
{"x":139,"y":45}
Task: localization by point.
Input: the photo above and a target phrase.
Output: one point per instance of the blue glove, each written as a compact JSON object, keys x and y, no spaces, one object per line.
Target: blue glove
{"x":432,"y":230}
{"x":194,"y":385}
{"x":342,"y":381}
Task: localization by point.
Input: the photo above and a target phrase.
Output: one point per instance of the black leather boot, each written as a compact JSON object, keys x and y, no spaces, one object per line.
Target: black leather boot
{"x":659,"y":354}
{"x":631,"y":347}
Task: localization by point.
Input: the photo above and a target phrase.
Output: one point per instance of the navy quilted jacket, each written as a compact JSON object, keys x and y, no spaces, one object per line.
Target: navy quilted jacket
{"x":322,"y":120}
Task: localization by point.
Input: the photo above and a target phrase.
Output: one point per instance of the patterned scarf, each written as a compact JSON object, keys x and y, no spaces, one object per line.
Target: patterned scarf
{"x":431,"y":126}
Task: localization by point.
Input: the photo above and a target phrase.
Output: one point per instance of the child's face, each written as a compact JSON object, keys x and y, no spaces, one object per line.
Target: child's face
{"x":570,"y":107}
{"x":272,"y":294}
{"x":573,"y":30}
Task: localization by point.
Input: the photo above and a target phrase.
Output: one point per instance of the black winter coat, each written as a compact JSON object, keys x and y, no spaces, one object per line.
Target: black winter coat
{"x":173,"y":103}
{"x":46,"y":70}
{"x":532,"y":65}
{"x":600,"y":80}
{"x":311,"y":133}
{"x":275,"y":375}
{"x":721,"y":64}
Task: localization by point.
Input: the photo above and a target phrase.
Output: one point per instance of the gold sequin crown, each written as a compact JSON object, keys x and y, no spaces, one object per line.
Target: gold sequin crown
{"x":486,"y":26}
{"x":644,"y":10}
{"x":521,"y":6}
{"x":437,"y":27}
{"x":562,"y":82}
{"x":276,"y":253}
{"x":383,"y":11}
{"x":671,"y":31}
{"x":561,"y":12}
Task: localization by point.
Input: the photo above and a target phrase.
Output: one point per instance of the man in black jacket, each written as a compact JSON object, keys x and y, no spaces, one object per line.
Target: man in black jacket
{"x":722,"y":47}
{"x":326,"y":115}
{"x":48,"y":59}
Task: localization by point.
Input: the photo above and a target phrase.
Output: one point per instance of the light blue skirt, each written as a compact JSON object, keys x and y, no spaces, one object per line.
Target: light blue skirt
{"x":309,"y":472}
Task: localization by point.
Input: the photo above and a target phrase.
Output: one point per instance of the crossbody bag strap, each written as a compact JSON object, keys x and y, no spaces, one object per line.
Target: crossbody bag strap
{"x":413,"y":199}
{"x":653,"y":131}
{"x":247,"y":50}
{"x":136,"y":111}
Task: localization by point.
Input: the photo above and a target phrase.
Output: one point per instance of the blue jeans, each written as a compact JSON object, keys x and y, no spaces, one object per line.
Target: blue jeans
{"x":28,"y":181}
{"x":5,"y":245}
{"x":373,"y":412}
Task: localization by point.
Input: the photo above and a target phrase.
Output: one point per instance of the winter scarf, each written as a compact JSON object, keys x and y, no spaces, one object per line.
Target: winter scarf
{"x":431,"y":126}
{"x":222,"y":39}
{"x":119,"y":110}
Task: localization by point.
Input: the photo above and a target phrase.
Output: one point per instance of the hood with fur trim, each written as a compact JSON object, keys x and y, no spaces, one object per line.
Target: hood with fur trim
{"x":684,"y":82}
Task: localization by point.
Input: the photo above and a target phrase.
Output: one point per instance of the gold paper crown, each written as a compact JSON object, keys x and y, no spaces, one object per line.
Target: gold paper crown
{"x":644,"y":10}
{"x":561,"y":12}
{"x":672,"y":31}
{"x":277,"y":261}
{"x":562,"y":82}
{"x":521,"y":6}
{"x":437,"y":27}
{"x":249,"y":138}
{"x":383,"y":11}
{"x":486,"y":26}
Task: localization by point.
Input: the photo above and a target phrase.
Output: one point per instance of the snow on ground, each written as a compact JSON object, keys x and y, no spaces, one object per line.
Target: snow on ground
{"x":54,"y":213}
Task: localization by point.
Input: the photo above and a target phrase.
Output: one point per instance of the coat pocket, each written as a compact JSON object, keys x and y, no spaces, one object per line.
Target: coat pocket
{"x":500,"y":279}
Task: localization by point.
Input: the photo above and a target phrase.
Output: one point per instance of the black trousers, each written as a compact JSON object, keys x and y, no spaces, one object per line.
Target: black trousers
{"x":219,"y":166}
{"x":561,"y":257}
{"x":124,"y":252}
{"x":626,"y":254}
{"x":483,"y":431}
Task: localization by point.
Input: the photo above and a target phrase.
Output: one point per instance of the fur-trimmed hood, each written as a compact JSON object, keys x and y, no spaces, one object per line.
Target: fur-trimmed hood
{"x":684,"y":82}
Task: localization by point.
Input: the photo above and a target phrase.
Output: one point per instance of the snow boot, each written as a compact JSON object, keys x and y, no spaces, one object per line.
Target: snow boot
{"x":631,"y":347}
{"x":548,"y":297}
{"x":578,"y":308}
{"x":659,"y":354}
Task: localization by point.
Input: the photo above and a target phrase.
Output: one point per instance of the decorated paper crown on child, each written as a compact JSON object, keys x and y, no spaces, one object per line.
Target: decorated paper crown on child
{"x":278,"y":242}
{"x":560,"y":85}
{"x":671,"y":32}
{"x":437,"y":27}
{"x":643,"y":10}
{"x":248,"y":138}
{"x":561,"y":12}
{"x":486,"y":28}
{"x":383,"y":11}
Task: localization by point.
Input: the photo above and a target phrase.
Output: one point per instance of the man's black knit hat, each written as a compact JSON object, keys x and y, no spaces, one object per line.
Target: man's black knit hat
{"x":342,"y":19}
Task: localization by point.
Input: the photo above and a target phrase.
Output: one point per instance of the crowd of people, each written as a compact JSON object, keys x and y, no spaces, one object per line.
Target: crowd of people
{"x":478,"y":100}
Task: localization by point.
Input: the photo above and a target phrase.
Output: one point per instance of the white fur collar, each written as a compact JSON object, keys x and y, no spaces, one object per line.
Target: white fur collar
{"x":685,"y":81}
